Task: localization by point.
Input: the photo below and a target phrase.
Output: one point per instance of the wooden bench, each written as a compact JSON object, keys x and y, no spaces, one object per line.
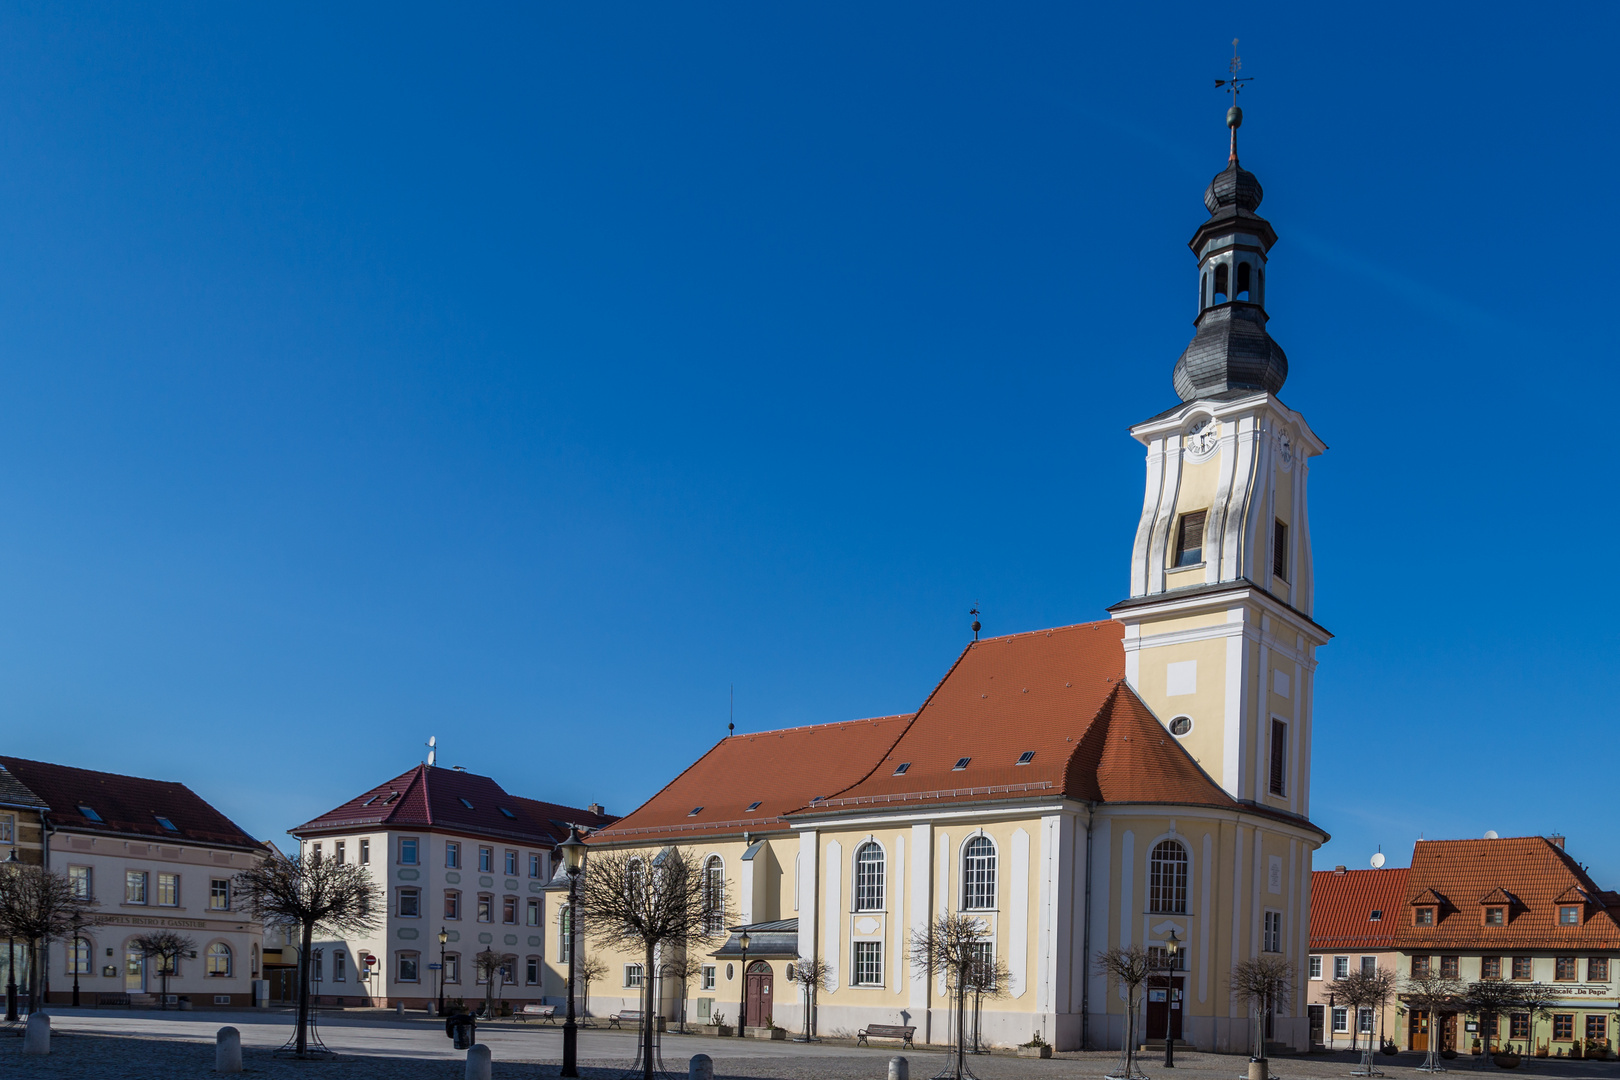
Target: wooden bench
{"x":545,"y":1013}
{"x":633,"y":1015}
{"x":886,"y":1031}
{"x":112,"y":1001}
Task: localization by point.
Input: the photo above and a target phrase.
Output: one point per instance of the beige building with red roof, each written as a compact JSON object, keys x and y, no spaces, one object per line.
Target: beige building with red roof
{"x":1075,"y":789}
{"x":1354,"y":918}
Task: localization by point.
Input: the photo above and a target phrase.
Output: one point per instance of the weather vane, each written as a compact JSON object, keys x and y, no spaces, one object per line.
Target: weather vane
{"x":975,"y":613}
{"x":1234,"y":86}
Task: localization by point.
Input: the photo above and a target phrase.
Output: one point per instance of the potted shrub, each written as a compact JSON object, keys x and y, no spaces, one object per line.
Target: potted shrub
{"x":1390,"y":1048}
{"x":1037,"y":1047}
{"x":1448,"y":1053}
{"x":1542,"y":1049}
{"x":717,"y":1025}
{"x":1475,"y":1049}
{"x":767,"y":1030}
{"x":1507,"y":1056}
{"x":1575,"y":1049}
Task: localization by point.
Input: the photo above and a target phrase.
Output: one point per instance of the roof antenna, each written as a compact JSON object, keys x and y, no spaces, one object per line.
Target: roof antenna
{"x":975,"y":613}
{"x":433,"y":748}
{"x":1234,"y":86}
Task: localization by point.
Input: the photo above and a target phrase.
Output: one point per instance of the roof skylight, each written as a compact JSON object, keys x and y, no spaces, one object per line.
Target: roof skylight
{"x":1025,"y":758}
{"x":165,"y":822}
{"x":961,"y":763}
{"x":89,"y":813}
{"x":392,"y":795}
{"x":371,"y":800}
{"x":1377,"y":916}
{"x":900,"y":769}
{"x":507,"y":812}
{"x":465,"y":803}
{"x":754,"y":805}
{"x":696,"y":810}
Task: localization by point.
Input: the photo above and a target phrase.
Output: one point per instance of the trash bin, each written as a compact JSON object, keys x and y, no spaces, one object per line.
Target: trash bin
{"x":462,"y":1029}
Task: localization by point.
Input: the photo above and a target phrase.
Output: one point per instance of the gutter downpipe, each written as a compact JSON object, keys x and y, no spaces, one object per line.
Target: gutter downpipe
{"x":45,"y":831}
{"x":1085,"y":944}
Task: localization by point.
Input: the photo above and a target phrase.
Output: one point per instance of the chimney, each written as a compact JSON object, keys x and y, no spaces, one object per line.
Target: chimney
{"x":1557,"y":839}
{"x":596,"y":808}
{"x":1339,"y":869}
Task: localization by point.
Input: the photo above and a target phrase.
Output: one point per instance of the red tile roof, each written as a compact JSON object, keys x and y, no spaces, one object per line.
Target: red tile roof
{"x":428,"y":797}
{"x":1343,"y":903}
{"x":126,"y":805}
{"x":1532,"y":870}
{"x":780,"y":770}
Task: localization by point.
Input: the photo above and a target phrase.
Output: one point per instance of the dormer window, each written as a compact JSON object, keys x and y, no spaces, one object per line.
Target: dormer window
{"x":1569,"y":915}
{"x":1495,"y":916}
{"x":1423,"y":916}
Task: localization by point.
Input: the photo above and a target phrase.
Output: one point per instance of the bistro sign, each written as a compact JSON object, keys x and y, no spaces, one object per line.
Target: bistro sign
{"x":150,"y":920}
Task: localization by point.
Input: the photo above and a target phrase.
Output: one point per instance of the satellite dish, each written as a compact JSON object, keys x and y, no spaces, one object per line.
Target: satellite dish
{"x":433,"y":751}
{"x":1378,"y":860}
{"x":1490,"y":834}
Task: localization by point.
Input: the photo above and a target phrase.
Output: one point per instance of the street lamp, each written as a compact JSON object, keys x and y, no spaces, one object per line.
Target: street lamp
{"x":1172,"y":950}
{"x":11,"y":964}
{"x":443,"y":937}
{"x":78,"y":944}
{"x":742,"y":1011}
{"x":573,"y":850}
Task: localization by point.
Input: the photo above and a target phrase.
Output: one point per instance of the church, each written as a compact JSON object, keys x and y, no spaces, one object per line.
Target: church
{"x":1077,"y":788}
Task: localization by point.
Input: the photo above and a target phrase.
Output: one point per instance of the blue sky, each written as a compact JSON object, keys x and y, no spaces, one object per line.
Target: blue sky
{"x":528,"y":376}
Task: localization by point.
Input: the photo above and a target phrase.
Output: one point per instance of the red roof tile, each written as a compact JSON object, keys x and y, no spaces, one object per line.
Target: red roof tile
{"x":1342,"y":906}
{"x":126,"y":805}
{"x":428,"y":797}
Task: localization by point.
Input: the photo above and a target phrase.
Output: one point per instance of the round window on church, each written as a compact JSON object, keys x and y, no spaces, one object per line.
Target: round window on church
{"x":1180,"y":726}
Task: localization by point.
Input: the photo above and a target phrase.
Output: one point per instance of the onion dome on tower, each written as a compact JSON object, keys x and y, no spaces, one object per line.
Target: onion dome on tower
{"x":1231,"y":350}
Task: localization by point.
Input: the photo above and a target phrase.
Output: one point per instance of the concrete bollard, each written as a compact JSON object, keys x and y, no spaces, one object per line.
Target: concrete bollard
{"x":899,"y":1069}
{"x":1257,"y":1069}
{"x":37,"y":1036}
{"x":478,"y":1064}
{"x":228,"y":1050}
{"x":701,"y":1068}
{"x":399,"y":1008}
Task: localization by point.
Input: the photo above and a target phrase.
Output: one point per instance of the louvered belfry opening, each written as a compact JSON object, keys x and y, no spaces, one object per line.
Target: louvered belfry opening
{"x":1190,"y":539}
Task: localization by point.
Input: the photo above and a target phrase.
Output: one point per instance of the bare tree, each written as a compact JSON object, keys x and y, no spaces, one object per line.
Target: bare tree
{"x":1130,"y":967}
{"x":39,"y":906}
{"x":1365,"y":990}
{"x":953,"y":945}
{"x":987,"y":978}
{"x":1491,"y":999}
{"x":311,"y":894}
{"x":629,"y":901}
{"x":810,"y":972}
{"x":1259,"y":983}
{"x":588,"y":968}
{"x":683,"y":969}
{"x":1433,"y":994}
{"x":168,"y":947}
{"x":489,"y":966}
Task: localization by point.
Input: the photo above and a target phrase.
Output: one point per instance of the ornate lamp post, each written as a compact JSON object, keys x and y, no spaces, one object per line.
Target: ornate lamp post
{"x":742,"y":1012}
{"x":443,"y":937}
{"x":1172,"y":951}
{"x":78,"y":958}
{"x":573,"y":850}
{"x":11,"y":965}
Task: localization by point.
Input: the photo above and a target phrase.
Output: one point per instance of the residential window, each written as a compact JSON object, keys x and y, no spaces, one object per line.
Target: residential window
{"x":1597,"y":969}
{"x":1518,"y":1025}
{"x":869,"y":963}
{"x":168,"y":890}
{"x":218,"y":960}
{"x":452,"y":904}
{"x":511,"y":863}
{"x":531,"y":975}
{"x":486,"y":907}
{"x":407,"y":851}
{"x":315,"y":851}
{"x":1420,"y":968}
{"x":1423,"y":916}
{"x":534,"y":865}
{"x":1563,"y":1026}
{"x":979,"y":874}
{"x":338,"y":850}
{"x":452,"y":856}
{"x":452,"y":967}
{"x":134,"y":886}
{"x":340,"y":966}
{"x":1190,"y":539}
{"x":1369,"y":965}
{"x":8,"y":828}
{"x":1316,"y":967}
{"x":1279,"y":756}
{"x":534,"y":912}
{"x":708,"y":976}
{"x":1272,"y":929}
{"x":869,"y":878}
{"x":405,"y":967}
{"x":1596,"y":1027}
{"x":486,"y":860}
{"x":714,"y":892}
{"x":565,"y":931}
{"x":1569,"y":915}
{"x":219,"y":894}
{"x":410,"y":903}
{"x":1495,"y":916}
{"x":1365,"y":1017}
{"x":1490,"y":967}
{"x":365,"y":851}
{"x":1521,"y":967}
{"x":1448,"y":967}
{"x":1167,"y":878}
{"x":1341,"y":1020}
{"x":78,"y":957}
{"x":1564,"y":969}
{"x":81,"y":880}
{"x":509,"y":910}
{"x":1279,"y":550}
{"x":632,"y":975}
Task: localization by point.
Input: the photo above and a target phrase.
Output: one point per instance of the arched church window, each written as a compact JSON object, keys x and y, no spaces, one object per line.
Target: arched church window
{"x":714,"y":892}
{"x":869,"y":878}
{"x":1203,"y":291}
{"x":1220,"y":283}
{"x":979,"y":874}
{"x":1167,"y":878}
{"x":1242,"y":282}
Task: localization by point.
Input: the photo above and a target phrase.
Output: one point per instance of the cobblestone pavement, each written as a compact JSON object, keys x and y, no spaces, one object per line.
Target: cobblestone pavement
{"x":179,"y":1046}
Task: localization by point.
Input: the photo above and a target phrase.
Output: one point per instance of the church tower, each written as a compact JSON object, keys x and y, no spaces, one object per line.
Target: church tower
{"x":1220,"y":636}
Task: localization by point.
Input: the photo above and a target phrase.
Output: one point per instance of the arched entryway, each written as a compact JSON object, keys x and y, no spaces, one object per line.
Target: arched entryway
{"x":757,"y":992}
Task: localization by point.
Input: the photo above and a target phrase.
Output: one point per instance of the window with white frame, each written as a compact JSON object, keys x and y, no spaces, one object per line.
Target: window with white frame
{"x":1365,"y":1023}
{"x":219,"y":894}
{"x":407,"y":851}
{"x":531,"y":974}
{"x":452,"y":967}
{"x":218,"y":960}
{"x":1369,"y":965}
{"x":1341,"y":967}
{"x":134,"y":886}
{"x":338,"y":851}
{"x":534,"y":865}
{"x":1341,"y":1019}
{"x":168,"y":890}
{"x":869,"y":963}
{"x":452,"y":855}
{"x":708,"y":976}
{"x":869,"y":878}
{"x":340,"y":966}
{"x":714,"y":892}
{"x":511,"y":863}
{"x":410,"y":903}
{"x":979,"y":874}
{"x":82,"y":880}
{"x":405,"y":967}
{"x":1167,"y":878}
{"x":534,"y":912}
{"x":78,"y":957}
{"x":982,"y":975}
{"x":1272,"y":941}
{"x":1316,"y":967}
{"x":8,"y":828}
{"x":632,"y":975}
{"x":486,"y":860}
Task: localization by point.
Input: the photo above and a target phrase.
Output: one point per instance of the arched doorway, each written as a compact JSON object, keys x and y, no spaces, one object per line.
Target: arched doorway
{"x":757,"y":992}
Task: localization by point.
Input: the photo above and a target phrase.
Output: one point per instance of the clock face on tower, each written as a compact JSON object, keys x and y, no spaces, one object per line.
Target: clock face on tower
{"x":1202,"y":436}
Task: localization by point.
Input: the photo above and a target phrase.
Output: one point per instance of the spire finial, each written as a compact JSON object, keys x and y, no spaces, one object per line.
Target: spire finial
{"x":1234,"y":86}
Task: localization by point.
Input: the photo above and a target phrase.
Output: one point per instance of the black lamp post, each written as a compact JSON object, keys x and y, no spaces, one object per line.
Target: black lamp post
{"x":11,"y":965}
{"x":742,"y":1011}
{"x":78,"y":958}
{"x":443,"y":937}
{"x":1330,"y":1021}
{"x":573,"y":850}
{"x":1172,"y":951}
